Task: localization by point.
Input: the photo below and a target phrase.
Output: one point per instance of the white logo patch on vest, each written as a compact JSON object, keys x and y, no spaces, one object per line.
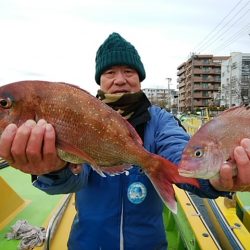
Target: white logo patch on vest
{"x":137,"y":192}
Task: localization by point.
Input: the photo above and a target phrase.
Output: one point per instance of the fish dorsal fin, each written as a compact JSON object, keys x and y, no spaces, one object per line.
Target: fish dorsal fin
{"x":242,"y":110}
{"x":75,"y":86}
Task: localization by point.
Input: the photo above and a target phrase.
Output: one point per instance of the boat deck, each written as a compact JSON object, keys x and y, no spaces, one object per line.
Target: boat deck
{"x":19,"y":201}
{"x":189,"y":229}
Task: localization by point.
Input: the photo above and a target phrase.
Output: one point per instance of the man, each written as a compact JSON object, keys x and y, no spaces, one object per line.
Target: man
{"x":123,"y":211}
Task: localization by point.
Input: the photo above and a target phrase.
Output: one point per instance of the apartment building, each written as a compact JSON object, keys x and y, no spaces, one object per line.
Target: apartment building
{"x":156,"y":94}
{"x":235,"y":80}
{"x":165,"y":98}
{"x":199,"y":80}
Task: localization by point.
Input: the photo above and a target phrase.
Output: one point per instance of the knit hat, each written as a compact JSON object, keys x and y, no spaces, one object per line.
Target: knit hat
{"x":117,"y":51}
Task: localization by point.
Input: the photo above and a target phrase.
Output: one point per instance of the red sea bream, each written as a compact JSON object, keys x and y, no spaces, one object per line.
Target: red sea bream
{"x":214,"y":143}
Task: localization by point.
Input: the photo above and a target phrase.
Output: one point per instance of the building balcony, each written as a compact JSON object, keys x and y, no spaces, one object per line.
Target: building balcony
{"x":207,"y":71}
{"x":201,"y":96}
{"x":206,"y":88}
{"x":200,"y":103}
{"x":181,"y":84}
{"x":205,"y":79}
{"x":181,"y":71}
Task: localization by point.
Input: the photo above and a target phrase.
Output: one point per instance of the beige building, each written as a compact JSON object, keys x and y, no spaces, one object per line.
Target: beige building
{"x":199,"y":80}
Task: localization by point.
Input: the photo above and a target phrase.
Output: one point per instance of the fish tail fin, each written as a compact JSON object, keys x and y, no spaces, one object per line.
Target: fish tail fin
{"x":163,"y":174}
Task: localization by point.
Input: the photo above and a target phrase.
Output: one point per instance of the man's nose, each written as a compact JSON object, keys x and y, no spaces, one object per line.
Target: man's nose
{"x":120,"y":78}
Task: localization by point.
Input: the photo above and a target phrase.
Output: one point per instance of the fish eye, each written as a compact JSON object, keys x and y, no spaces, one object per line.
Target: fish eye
{"x":198,"y":153}
{"x":5,"y":103}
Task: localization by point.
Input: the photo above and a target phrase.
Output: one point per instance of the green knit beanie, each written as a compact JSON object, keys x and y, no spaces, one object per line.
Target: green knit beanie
{"x":117,"y":51}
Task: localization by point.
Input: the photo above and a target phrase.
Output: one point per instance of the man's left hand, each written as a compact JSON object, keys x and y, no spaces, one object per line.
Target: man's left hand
{"x":239,"y":179}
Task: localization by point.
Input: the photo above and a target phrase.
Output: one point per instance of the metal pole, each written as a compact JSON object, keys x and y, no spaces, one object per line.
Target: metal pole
{"x":169,"y":97}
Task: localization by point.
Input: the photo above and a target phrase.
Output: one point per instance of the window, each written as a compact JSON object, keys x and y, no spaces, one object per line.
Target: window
{"x":234,"y":65}
{"x":205,"y":94}
{"x":204,"y":85}
{"x":205,"y":102}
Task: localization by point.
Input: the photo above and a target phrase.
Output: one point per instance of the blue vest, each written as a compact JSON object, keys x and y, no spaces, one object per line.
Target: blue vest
{"x":125,"y":209}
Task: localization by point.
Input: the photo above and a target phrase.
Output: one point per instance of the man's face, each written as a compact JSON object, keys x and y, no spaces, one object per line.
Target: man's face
{"x":120,"y":79}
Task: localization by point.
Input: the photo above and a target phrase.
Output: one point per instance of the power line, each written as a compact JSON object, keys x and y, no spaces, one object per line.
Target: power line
{"x":216,"y":31}
{"x":223,"y":33}
{"x":199,"y":44}
{"x":234,"y":37}
{"x":223,"y":27}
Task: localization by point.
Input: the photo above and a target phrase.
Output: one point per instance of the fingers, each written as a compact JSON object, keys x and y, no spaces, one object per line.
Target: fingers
{"x":20,"y":142}
{"x":41,"y":149}
{"x":226,"y":177}
{"x":245,"y":143}
{"x":7,"y":138}
{"x":35,"y":143}
{"x":49,"y":148}
{"x":242,"y":158}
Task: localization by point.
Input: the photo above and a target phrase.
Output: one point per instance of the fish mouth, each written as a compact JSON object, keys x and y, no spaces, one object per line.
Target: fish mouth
{"x":197,"y":174}
{"x":186,"y":173}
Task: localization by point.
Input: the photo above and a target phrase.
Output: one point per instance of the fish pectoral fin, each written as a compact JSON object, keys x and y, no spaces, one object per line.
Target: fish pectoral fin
{"x":69,"y":148}
{"x":133,"y":133}
{"x":116,"y":170}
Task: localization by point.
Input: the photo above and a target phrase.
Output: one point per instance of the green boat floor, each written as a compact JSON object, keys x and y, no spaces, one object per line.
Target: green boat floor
{"x":37,"y":210}
{"x":243,"y":208}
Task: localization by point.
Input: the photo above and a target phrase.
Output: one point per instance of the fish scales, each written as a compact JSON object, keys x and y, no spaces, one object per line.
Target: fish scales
{"x":89,"y":122}
{"x":87,"y":131}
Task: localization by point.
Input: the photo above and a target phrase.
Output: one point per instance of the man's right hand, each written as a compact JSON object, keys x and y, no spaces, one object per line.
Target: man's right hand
{"x":31,"y":147}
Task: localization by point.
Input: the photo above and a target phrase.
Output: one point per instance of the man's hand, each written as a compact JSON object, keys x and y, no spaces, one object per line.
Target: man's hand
{"x":31,"y":147}
{"x":227,"y":180}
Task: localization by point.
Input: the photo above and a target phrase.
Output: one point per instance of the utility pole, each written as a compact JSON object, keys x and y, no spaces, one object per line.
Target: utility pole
{"x":169,"y":96}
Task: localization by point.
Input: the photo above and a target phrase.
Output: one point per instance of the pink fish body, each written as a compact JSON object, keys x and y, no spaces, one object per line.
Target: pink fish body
{"x":214,"y":143}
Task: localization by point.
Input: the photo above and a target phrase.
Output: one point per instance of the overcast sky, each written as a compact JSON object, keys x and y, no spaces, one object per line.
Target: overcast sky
{"x":56,"y":40}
